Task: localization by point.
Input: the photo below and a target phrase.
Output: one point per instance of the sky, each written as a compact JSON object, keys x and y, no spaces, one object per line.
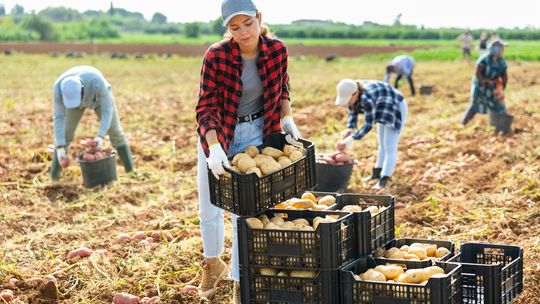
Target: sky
{"x":488,"y":14}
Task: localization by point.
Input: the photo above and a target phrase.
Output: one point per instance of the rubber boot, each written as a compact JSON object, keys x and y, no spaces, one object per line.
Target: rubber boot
{"x":468,"y":116}
{"x":56,"y":168}
{"x":125,"y":155}
{"x":376,"y":174}
{"x":382,"y":183}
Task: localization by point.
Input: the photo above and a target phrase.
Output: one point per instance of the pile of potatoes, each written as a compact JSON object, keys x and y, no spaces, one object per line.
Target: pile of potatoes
{"x":357,"y":208}
{"x":92,"y":154}
{"x":308,"y":201}
{"x":300,"y":273}
{"x":266,"y":162}
{"x":279,"y":223}
{"x":413,"y":252}
{"x":336,"y":158}
{"x":392,"y":273}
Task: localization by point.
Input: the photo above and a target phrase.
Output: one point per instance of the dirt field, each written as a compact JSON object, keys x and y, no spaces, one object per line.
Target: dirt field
{"x":189,"y":50}
{"x":461,"y":184}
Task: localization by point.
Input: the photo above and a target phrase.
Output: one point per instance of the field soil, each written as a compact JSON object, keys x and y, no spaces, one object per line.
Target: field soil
{"x":453,"y":183}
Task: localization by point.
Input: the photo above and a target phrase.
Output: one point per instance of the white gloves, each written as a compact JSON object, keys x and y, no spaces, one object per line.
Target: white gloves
{"x":288,"y":126}
{"x":217,"y":160}
{"x":63,"y":159}
{"x":99,"y":142}
{"x":345,"y":143}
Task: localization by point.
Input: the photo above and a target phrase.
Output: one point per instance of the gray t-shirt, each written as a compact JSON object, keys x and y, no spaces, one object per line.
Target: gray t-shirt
{"x":252,"y":93}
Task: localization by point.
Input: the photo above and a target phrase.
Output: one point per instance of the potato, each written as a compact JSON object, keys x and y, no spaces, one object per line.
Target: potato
{"x":254,"y":223}
{"x":352,"y":208}
{"x":268,"y":271}
{"x":282,"y":273}
{"x":433,"y":270}
{"x":324,"y":220}
{"x":372,"y":275}
{"x":391,"y":272}
{"x":319,"y":207}
{"x":327,"y":200}
{"x":303,"y":228}
{"x":7,"y":295}
{"x":272,"y":226}
{"x":412,"y":257}
{"x":404,"y":248}
{"x":254,"y":170}
{"x":379,"y":253}
{"x":252,"y":151}
{"x":296,"y":155}
{"x":282,"y":206}
{"x":152,"y":300}
{"x":284,"y":162}
{"x":342,"y":158}
{"x":421,"y":253}
{"x":401,"y":278}
{"x":373,"y":210}
{"x":277,"y":220}
{"x":89,"y":157}
{"x":80,"y":252}
{"x":269,"y":167}
{"x":235,"y":169}
{"x":264,"y":218}
{"x":272,"y":152}
{"x":300,"y":221}
{"x":394,"y":253}
{"x":416,"y":276}
{"x":237,"y":158}
{"x":246,"y":163}
{"x":139,"y":235}
{"x":125,"y":298}
{"x":288,"y":226}
{"x":123,"y":238}
{"x":303,"y":204}
{"x":288,"y":149}
{"x":303,"y":274}
{"x":441,"y":252}
{"x":261,"y":159}
{"x":309,"y":196}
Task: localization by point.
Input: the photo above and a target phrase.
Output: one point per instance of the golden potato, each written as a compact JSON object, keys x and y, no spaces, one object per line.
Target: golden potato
{"x":284,"y":161}
{"x":401,"y":278}
{"x":282,"y":206}
{"x":412,"y":257}
{"x":252,"y":151}
{"x":319,"y":207}
{"x":237,"y":158}
{"x":324,"y":220}
{"x":391,"y":272}
{"x":433,"y":270}
{"x":404,"y":248}
{"x":416,"y":276}
{"x":271,"y":225}
{"x":441,"y":252}
{"x":272,"y":152}
{"x":246,"y":163}
{"x":282,"y":273}
{"x":421,"y":253}
{"x":254,"y":223}
{"x":394,"y":253}
{"x":264,"y":218}
{"x":287,"y":226}
{"x":296,"y":155}
{"x":269,"y":167}
{"x":303,"y":204}
{"x":278,"y":221}
{"x":300,"y":221}
{"x":351,"y":208}
{"x":309,"y":196}
{"x":260,"y":159}
{"x":327,"y":200}
{"x":288,"y":149}
{"x":254,"y":170}
{"x":373,"y":210}
{"x":303,"y":274}
{"x":268,"y":271}
{"x":372,"y":275}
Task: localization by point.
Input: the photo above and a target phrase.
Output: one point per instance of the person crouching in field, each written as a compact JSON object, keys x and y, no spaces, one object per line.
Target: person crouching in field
{"x":488,"y":83}
{"x":243,"y":97}
{"x":382,"y":104}
{"x":403,"y":66}
{"x":78,"y":89}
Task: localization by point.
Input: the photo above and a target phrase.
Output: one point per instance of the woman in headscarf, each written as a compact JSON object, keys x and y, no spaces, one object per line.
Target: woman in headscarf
{"x":489,"y":83}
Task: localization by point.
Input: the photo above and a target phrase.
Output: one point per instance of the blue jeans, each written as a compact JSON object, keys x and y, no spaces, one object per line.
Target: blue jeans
{"x":211,"y":217}
{"x":388,"y":138}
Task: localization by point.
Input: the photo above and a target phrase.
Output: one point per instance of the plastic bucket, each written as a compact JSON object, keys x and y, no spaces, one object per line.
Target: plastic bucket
{"x":501,"y":121}
{"x":426,"y":90}
{"x":332,"y":178}
{"x":99,"y":172}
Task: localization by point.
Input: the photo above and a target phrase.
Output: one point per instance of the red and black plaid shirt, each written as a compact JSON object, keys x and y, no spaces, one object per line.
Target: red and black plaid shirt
{"x":221,"y":88}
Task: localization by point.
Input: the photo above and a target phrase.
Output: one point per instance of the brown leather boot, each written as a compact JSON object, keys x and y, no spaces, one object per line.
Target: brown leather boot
{"x":236,"y":293}
{"x":214,"y":270}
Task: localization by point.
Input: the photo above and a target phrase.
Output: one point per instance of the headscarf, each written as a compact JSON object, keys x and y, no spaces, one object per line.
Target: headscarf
{"x":496,"y":49}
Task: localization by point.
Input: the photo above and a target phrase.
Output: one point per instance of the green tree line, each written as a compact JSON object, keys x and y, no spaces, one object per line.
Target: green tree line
{"x":66,"y":24}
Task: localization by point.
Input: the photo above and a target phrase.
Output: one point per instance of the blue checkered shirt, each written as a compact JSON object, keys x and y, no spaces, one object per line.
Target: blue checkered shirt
{"x":380,"y":103}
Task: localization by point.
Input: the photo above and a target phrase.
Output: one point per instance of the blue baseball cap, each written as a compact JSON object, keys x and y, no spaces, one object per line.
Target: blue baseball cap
{"x":232,"y":8}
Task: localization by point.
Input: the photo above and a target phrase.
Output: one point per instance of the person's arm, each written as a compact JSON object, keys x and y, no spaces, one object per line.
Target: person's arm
{"x":106,"y":105}
{"x":480,"y":74}
{"x":369,"y":115}
{"x":59,"y":118}
{"x":285,"y":98}
{"x":504,"y":77}
{"x":352,"y":121}
{"x":286,"y":109}
{"x":207,"y":108}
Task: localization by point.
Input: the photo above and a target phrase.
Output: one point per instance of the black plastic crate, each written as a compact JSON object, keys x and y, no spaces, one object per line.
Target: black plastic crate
{"x":492,"y":274}
{"x":418,"y":264}
{"x":443,"y":290}
{"x":330,"y":246}
{"x":247,"y":194}
{"x":373,"y":231}
{"x":258,"y":288}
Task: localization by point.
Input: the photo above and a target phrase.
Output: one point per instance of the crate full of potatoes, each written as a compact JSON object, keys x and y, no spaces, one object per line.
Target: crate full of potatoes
{"x":369,"y":281}
{"x":261,"y":177}
{"x":300,"y":239}
{"x":417,"y":252}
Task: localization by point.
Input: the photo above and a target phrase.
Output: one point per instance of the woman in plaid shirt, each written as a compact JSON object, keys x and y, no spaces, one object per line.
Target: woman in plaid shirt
{"x":382,"y":104}
{"x":243,"y":97}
